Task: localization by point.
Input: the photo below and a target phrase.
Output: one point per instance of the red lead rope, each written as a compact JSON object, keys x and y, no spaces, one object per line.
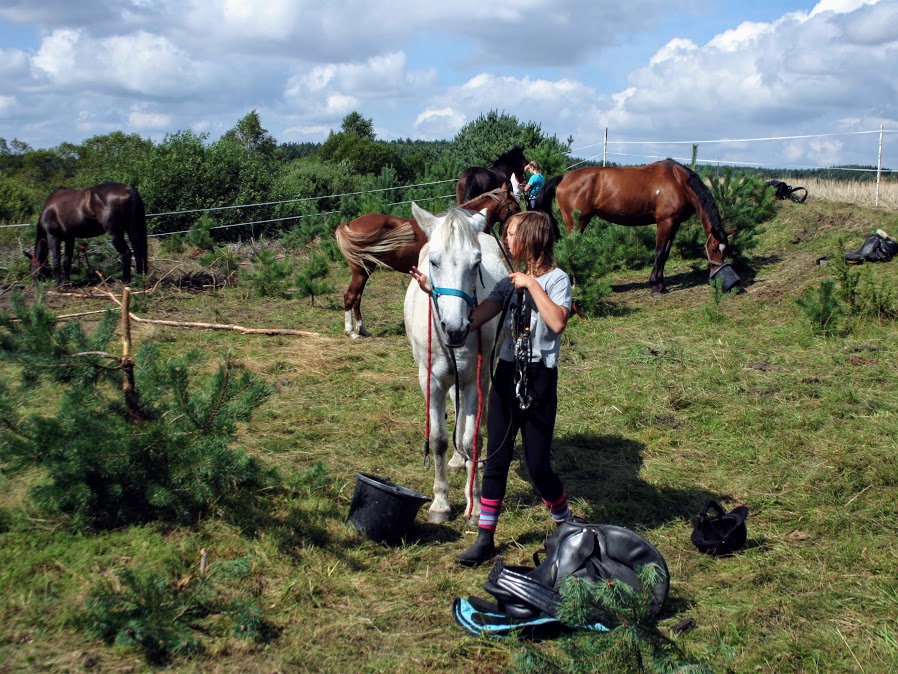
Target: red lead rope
{"x":427,"y":393}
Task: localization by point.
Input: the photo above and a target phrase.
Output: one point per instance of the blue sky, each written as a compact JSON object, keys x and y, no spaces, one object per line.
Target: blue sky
{"x":650,"y":71}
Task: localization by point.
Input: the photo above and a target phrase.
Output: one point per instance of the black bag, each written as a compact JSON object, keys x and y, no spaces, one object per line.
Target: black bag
{"x":720,"y":533}
{"x":878,"y":247}
{"x":782,"y":190}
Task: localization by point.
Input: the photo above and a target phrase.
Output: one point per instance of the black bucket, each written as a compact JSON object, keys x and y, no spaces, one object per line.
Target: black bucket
{"x":727,"y":275}
{"x":382,"y":510}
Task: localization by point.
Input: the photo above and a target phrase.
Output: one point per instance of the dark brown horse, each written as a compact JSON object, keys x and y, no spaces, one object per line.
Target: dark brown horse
{"x":478,"y":180}
{"x":665,"y":193}
{"x":111,"y":208}
{"x":393,"y":243}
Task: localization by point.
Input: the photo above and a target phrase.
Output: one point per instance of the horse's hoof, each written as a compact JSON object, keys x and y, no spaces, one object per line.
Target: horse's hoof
{"x":354,"y":335}
{"x":457,"y":462}
{"x":438,"y":517}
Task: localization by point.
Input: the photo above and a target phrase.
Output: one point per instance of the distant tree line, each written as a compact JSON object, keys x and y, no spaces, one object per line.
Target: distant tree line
{"x":350,"y":173}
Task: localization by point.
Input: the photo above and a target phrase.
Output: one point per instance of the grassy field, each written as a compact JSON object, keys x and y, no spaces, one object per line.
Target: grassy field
{"x":664,"y":403}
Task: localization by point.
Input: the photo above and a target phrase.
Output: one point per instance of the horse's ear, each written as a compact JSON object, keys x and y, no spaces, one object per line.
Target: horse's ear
{"x":478,"y":220}
{"x":425,"y":220}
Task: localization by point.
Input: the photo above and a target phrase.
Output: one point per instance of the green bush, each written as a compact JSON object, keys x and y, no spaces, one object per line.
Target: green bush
{"x":103,"y":468}
{"x":269,"y":277}
{"x":147,"y":611}
{"x":743,"y":204}
{"x":593,"y":254}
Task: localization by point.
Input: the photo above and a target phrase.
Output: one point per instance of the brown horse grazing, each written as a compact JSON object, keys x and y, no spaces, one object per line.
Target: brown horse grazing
{"x":393,"y":243}
{"x":665,"y":193}
{"x":478,"y":180}
{"x":68,"y":214}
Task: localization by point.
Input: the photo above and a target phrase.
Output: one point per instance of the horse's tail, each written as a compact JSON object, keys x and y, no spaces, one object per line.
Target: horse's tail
{"x":366,"y":251}
{"x":704,"y":204}
{"x":137,"y":231}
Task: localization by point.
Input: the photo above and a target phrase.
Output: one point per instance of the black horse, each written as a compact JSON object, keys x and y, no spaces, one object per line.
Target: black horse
{"x":477,"y":180}
{"x":69,"y":214}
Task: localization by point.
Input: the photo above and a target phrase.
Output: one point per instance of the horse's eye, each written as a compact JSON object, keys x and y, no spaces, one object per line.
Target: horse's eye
{"x":435,"y":264}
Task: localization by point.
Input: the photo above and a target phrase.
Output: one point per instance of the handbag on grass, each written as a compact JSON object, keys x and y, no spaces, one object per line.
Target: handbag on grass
{"x":720,"y":532}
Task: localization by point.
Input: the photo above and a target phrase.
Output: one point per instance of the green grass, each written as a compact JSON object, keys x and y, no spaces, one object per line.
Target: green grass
{"x":664,"y":403}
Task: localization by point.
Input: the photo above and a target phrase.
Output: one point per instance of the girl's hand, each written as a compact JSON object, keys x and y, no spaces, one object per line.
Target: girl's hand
{"x":423,"y":281}
{"x":520,"y":280}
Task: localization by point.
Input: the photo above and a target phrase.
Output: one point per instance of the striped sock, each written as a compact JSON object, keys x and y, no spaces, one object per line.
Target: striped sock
{"x":489,"y":513}
{"x":559,"y":508}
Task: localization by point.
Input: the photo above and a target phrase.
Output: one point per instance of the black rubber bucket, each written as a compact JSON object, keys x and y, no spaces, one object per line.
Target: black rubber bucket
{"x":727,"y":275}
{"x":382,"y":510}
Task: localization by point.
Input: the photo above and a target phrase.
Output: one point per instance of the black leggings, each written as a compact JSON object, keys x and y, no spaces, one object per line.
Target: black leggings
{"x":537,"y":424}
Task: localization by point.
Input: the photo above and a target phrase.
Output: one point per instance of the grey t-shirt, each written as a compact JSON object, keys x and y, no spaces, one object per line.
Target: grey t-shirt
{"x":546,"y":343}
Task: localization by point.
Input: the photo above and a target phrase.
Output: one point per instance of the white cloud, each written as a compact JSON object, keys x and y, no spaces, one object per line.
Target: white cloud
{"x":140,"y":63}
{"x":425,"y":69}
{"x":148,"y":121}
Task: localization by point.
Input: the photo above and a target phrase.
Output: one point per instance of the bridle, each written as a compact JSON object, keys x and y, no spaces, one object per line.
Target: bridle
{"x":708,"y":255}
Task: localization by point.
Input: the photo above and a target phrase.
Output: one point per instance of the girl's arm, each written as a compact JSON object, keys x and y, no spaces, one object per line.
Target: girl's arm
{"x":483,"y":312}
{"x":554,"y":316}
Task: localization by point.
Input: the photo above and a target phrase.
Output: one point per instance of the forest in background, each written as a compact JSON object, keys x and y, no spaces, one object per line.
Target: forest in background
{"x":251,"y":178}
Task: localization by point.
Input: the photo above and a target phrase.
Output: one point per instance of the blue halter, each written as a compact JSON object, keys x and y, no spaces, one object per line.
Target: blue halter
{"x":436,"y":293}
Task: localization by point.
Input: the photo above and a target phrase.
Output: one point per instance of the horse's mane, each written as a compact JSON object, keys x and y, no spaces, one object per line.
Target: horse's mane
{"x":456,"y":227}
{"x":705,"y":199}
{"x":514,"y":156}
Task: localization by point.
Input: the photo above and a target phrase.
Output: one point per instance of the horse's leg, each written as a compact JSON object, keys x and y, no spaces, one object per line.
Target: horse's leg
{"x":664,"y":237}
{"x":471,"y":434}
{"x":118,"y":242}
{"x":54,"y":244}
{"x":357,"y":310}
{"x":439,"y":440}
{"x":582,"y":221}
{"x":457,"y":462}
{"x":351,"y":301}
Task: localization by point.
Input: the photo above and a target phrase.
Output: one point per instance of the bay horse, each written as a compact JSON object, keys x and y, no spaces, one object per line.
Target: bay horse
{"x":464,"y":264}
{"x":68,"y":214}
{"x":389,"y":242}
{"x":477,"y":180}
{"x":665,"y":193}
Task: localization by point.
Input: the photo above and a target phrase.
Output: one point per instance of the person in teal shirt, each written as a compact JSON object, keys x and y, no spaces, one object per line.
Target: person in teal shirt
{"x":535,"y":184}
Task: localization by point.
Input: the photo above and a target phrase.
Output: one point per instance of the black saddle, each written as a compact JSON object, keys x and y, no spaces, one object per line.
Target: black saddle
{"x":878,"y":247}
{"x":594,"y":552}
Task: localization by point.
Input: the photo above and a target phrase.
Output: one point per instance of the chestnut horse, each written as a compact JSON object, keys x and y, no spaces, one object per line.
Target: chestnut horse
{"x":478,"y":180}
{"x":393,"y":243}
{"x":665,"y":193}
{"x":68,"y":214}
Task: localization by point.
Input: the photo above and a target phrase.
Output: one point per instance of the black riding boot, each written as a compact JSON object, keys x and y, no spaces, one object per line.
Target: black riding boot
{"x":482,"y":550}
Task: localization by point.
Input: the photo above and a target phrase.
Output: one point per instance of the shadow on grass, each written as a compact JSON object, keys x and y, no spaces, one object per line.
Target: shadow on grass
{"x":604,"y":471}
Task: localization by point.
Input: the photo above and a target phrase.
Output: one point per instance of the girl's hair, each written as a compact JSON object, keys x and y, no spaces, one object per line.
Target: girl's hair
{"x":535,"y":164}
{"x":536,"y":237}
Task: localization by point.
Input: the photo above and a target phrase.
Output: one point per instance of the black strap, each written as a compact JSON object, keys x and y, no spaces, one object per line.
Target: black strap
{"x":710,"y":504}
{"x":528,"y":591}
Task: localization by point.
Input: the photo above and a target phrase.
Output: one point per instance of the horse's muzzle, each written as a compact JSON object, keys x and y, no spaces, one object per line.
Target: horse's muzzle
{"x":455,"y":339}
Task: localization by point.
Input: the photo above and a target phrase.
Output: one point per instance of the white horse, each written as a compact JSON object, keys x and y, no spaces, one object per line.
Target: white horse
{"x":464,"y":264}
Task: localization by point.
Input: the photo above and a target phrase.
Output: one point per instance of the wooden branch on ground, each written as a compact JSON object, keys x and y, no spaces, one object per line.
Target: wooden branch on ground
{"x":218,"y":326}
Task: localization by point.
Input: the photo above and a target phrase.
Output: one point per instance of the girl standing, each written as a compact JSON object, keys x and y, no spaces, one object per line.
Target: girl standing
{"x":524,"y":394}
